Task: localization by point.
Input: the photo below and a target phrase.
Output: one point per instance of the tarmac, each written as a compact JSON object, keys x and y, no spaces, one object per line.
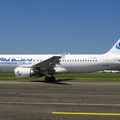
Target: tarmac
{"x":20,"y":100}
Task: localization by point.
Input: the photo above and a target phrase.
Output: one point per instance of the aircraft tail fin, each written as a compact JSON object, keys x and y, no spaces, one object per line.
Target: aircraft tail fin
{"x":115,"y":49}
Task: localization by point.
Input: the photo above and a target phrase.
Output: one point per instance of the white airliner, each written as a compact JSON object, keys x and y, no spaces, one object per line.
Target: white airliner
{"x":47,"y":65}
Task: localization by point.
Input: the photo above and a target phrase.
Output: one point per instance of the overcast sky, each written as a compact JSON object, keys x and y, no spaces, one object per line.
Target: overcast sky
{"x":58,"y":26}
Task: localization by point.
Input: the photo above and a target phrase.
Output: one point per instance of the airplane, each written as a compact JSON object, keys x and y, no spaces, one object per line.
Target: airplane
{"x":110,"y":71}
{"x":49,"y":64}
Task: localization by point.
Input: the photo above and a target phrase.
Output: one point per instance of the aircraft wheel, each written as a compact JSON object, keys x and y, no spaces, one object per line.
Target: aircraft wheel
{"x":47,"y":79}
{"x":50,"y":79}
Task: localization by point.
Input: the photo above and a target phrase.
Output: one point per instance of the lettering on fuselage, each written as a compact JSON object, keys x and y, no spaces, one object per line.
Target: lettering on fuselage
{"x":21,"y":61}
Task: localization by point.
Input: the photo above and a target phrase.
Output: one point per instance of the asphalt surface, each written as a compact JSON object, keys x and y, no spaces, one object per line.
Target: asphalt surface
{"x":36,"y":100}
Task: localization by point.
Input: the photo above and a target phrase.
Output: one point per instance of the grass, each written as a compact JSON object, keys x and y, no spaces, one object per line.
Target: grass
{"x":69,"y":76}
{"x":90,"y":76}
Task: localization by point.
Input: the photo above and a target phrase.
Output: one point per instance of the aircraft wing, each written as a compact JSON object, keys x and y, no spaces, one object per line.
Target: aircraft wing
{"x":48,"y":63}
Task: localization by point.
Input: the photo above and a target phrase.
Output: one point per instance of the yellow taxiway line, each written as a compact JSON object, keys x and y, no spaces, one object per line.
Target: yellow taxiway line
{"x":86,"y":113}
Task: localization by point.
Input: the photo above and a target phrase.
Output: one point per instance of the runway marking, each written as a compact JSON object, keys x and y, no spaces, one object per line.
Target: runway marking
{"x":67,"y":104}
{"x":86,"y":113}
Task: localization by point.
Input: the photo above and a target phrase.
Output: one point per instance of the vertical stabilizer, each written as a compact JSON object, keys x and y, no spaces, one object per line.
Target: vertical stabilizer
{"x":115,"y":49}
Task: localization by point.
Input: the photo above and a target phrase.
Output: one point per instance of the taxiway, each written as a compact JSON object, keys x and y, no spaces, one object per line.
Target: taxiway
{"x":37,"y":100}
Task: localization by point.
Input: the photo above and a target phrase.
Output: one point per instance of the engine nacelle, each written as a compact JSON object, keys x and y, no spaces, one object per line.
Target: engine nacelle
{"x":60,"y":70}
{"x":23,"y":72}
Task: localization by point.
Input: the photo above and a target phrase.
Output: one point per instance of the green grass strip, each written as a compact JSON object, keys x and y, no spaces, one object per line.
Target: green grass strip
{"x":69,"y":77}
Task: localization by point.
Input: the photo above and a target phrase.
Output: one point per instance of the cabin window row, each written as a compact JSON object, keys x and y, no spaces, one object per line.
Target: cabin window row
{"x":72,"y":60}
{"x":78,"y":60}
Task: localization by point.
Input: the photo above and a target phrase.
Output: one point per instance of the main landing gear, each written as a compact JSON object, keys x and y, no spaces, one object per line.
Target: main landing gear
{"x":50,"y":79}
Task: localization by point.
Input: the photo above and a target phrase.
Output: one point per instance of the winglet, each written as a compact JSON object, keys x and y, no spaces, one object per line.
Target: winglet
{"x":63,"y":55}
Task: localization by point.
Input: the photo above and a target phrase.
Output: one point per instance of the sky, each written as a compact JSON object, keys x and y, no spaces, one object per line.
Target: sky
{"x":58,"y":26}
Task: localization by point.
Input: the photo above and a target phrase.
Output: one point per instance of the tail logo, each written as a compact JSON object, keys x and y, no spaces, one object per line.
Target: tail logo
{"x":19,"y":73}
{"x":118,"y":45}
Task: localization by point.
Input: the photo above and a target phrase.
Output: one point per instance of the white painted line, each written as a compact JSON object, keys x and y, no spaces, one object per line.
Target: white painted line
{"x":67,"y":104}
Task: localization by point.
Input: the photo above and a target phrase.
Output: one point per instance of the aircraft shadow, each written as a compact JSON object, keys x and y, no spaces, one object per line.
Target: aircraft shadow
{"x":58,"y":81}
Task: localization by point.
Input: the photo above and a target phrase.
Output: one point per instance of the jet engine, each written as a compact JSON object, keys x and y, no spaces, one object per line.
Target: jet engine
{"x":60,"y":70}
{"x":24,"y":72}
